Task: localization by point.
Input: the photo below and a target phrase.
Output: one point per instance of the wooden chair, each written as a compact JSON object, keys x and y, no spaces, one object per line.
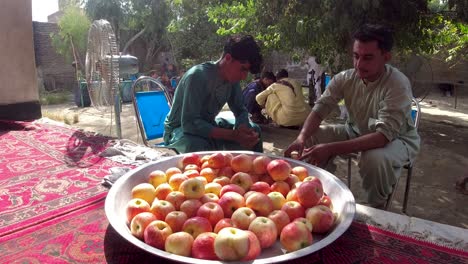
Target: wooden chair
{"x":416,"y":114}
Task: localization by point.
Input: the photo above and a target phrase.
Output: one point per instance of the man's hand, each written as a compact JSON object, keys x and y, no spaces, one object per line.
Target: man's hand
{"x":317,"y":155}
{"x":247,"y":137}
{"x":296,"y":146}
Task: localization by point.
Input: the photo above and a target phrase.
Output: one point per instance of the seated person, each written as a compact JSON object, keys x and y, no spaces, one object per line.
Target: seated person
{"x":379,"y":123}
{"x":251,"y":91}
{"x":192,"y":125}
{"x":284,"y":101}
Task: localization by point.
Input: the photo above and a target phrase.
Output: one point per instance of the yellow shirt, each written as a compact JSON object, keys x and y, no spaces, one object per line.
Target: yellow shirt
{"x":285,"y":107}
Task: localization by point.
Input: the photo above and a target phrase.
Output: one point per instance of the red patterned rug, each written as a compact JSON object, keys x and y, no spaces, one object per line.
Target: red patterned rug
{"x":47,"y":171}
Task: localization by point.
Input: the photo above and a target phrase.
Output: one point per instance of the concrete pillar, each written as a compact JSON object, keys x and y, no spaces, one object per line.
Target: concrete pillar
{"x":19,"y":97}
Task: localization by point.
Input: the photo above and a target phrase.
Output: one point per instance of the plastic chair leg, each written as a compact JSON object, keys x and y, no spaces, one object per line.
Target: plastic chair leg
{"x":407,"y":187}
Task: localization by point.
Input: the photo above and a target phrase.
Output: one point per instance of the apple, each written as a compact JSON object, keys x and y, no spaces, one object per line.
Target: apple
{"x":279,"y":169}
{"x":156,"y":233}
{"x":280,"y":186}
{"x":242,"y":217}
{"x":197,"y":225}
{"x":176,"y":220}
{"x":321,"y":217}
{"x":241,"y":163}
{"x":312,"y":178}
{"x":295,"y":236}
{"x":145,"y":191}
{"x":213,"y":187}
{"x":190,"y":207}
{"x":140,"y":222}
{"x":157,"y":177}
{"x":293,"y":209}
{"x":190,"y":167}
{"x":326,"y":200}
{"x":305,"y":222}
{"x":225,"y":222}
{"x":227,"y":158}
{"x":204,"y":158}
{"x":176,"y":198}
{"x":209,"y":174}
{"x":277,"y":200}
{"x":216,"y":160}
{"x":176,"y":180}
{"x":300,"y":171}
{"x":260,"y":186}
{"x":266,"y":178}
{"x":190,"y":174}
{"x":136,"y":206}
{"x":190,"y":158}
{"x":222,"y":180}
{"x":243,"y":180}
{"x":226,"y":171}
{"x":230,"y":201}
{"x":260,"y":203}
{"x":192,"y":188}
{"x":160,"y":208}
{"x":171,"y":171}
{"x":203,"y":246}
{"x":255,"y":177}
{"x":163,"y":190}
{"x":231,"y":188}
{"x":259,"y":164}
{"x":309,"y":193}
{"x":179,"y":243}
{"x":232,"y":244}
{"x":205,"y":165}
{"x":292,"y":195}
{"x":280,"y":218}
{"x":209,"y":197}
{"x":292,"y":180}
{"x":247,"y":194}
{"x":265,"y":230}
{"x":211,"y":211}
{"x":202,"y":179}
{"x":254,"y":247}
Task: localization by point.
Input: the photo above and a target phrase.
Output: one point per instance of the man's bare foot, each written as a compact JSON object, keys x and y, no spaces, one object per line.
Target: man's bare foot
{"x":461,"y":185}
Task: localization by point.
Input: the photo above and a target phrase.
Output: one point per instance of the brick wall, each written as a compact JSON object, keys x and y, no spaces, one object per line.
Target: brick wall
{"x":54,"y":73}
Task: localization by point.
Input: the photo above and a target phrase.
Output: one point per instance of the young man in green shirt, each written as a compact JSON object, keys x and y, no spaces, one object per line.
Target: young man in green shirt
{"x":192,"y":125}
{"x":379,"y":125}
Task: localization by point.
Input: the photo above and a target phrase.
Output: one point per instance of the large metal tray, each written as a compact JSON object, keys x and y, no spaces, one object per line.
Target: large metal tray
{"x":343,"y":203}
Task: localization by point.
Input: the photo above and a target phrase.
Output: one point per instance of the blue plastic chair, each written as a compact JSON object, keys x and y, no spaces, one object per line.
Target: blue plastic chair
{"x":152,"y":102}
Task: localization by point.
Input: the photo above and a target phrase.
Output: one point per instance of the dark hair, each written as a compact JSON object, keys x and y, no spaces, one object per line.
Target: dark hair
{"x":244,"y":49}
{"x":268,"y":75}
{"x":153,"y":72}
{"x":282,"y":74}
{"x":382,"y":34}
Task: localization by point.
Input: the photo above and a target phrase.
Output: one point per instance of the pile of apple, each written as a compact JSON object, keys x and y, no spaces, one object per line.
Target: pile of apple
{"x":225,"y":207}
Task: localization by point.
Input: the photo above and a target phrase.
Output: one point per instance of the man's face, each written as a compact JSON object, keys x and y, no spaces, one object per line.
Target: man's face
{"x":235,"y":70}
{"x":267,"y":82}
{"x":369,"y":60}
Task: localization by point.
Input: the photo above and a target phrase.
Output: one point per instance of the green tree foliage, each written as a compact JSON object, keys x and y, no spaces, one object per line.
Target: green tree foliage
{"x":71,"y":39}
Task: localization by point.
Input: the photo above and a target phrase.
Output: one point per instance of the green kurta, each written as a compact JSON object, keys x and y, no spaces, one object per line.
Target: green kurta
{"x":199,"y":97}
{"x":383,"y":105}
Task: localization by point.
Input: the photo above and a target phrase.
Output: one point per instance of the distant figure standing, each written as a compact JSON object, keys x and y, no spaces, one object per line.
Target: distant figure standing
{"x":251,"y":91}
{"x":314,"y":76}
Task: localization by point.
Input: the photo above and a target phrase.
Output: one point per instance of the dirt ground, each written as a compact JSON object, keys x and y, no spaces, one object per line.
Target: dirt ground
{"x":442,"y":160}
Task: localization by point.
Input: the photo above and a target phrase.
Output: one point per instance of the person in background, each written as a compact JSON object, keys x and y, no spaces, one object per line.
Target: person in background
{"x":251,"y":91}
{"x":192,"y":123}
{"x":284,"y":101}
{"x":379,"y":124}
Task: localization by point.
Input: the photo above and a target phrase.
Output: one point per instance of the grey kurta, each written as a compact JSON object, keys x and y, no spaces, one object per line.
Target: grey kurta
{"x":380,"y":106}
{"x":199,"y":97}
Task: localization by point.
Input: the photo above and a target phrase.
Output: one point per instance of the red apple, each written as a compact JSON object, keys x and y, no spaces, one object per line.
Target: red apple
{"x":305,"y":222}
{"x":209,"y":197}
{"x":279,"y":169}
{"x":225,"y":222}
{"x":156,"y":233}
{"x":280,"y":218}
{"x":176,"y":220}
{"x":277,"y":200}
{"x":176,"y":198}
{"x":300,"y":171}
{"x":140,"y":222}
{"x":293,"y":209}
{"x":197,"y":225}
{"x":192,"y":188}
{"x":190,"y":207}
{"x":176,"y":180}
{"x":226,"y":171}
{"x":295,"y":236}
{"x":326,"y":200}
{"x":259,"y":164}
{"x":309,"y":193}
{"x":265,"y":230}
{"x":191,"y":173}
{"x":223,"y":180}
{"x":157,"y":177}
{"x":136,"y":206}
{"x":232,"y":244}
{"x":213,"y":187}
{"x":190,"y":158}
{"x":160,"y":208}
{"x":192,"y":167}
{"x":231,"y":188}
{"x":230,"y":201}
{"x":292,"y":195}
{"x":255,"y":248}
{"x":163,"y":190}
{"x":209,"y":173}
{"x":260,"y":203}
{"x":292,"y":180}
{"x":211,"y":211}
{"x":203,"y":246}
{"x":321,"y":218}
{"x":171,"y":171}
{"x":242,"y":217}
{"x":179,"y":243}
{"x":260,"y":186}
{"x":280,"y":186}
{"x":216,"y":160}
{"x":242,"y":179}
{"x":242,"y":163}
